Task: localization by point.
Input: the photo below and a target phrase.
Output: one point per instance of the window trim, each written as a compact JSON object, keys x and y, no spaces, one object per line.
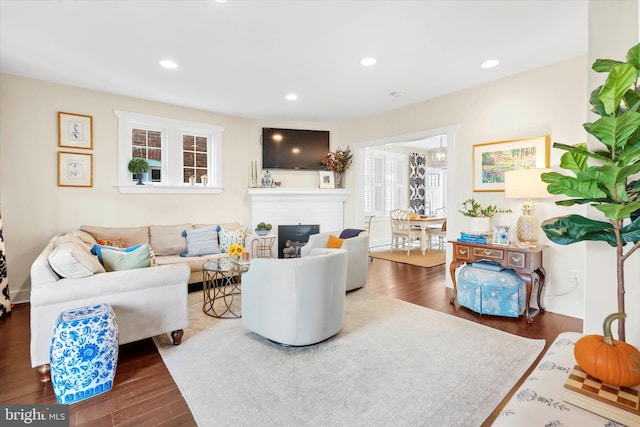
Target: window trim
{"x":173,"y":129}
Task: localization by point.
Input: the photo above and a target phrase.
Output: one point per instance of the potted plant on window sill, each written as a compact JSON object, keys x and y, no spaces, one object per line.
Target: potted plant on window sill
{"x":479,"y":218}
{"x":138,"y":166}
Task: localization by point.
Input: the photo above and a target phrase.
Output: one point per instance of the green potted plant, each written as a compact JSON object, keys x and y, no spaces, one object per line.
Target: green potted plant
{"x":138,"y":166}
{"x":479,"y":217}
{"x":603,"y":176}
{"x":263,"y":229}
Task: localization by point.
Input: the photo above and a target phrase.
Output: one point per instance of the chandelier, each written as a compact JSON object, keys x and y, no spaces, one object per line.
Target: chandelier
{"x":437,"y":157}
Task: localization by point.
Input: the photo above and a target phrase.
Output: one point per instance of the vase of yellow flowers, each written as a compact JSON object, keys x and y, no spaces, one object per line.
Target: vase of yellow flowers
{"x":239,"y":257}
{"x":338,"y":162}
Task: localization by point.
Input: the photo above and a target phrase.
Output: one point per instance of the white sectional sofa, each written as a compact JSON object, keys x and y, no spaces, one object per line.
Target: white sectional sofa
{"x":147,"y":301}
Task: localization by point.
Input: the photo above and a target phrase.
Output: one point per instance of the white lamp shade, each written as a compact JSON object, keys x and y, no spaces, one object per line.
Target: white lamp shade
{"x":525,"y":183}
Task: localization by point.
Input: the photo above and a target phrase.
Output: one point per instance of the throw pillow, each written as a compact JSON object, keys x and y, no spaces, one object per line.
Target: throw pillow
{"x":201,"y":241}
{"x":348,"y":233}
{"x":167,"y":239}
{"x":116,"y":259}
{"x":334,"y":242}
{"x":116,"y":243}
{"x":71,"y":258}
{"x":231,"y":237}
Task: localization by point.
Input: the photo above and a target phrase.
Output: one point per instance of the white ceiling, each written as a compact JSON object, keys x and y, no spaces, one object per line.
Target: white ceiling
{"x":242,"y":57}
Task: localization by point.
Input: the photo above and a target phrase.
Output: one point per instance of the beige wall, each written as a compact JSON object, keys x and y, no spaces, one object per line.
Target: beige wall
{"x":550,"y":100}
{"x":34,"y":208}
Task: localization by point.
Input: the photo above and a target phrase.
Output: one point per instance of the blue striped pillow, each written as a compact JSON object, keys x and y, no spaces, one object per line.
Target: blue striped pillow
{"x":201,"y":241}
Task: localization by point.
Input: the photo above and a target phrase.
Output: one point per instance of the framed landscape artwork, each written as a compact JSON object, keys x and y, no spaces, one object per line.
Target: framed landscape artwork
{"x":492,"y":159}
{"x":75,"y":131}
{"x":75,"y":169}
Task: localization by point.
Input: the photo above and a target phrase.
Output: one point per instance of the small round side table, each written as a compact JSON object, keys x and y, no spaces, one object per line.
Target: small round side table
{"x":221,"y":280}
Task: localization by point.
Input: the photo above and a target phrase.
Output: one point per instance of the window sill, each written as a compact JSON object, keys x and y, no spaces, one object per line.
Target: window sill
{"x":166,"y":189}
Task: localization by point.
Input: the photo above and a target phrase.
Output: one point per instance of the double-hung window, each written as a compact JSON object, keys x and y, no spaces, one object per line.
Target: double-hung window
{"x":385,"y":182}
{"x":183,"y":156}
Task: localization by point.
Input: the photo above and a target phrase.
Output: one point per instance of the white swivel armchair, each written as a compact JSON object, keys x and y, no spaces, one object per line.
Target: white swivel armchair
{"x":358,"y":249}
{"x":298,"y":301}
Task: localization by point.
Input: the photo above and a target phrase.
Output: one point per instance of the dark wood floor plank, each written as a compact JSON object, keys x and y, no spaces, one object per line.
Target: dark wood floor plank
{"x":144,"y":393}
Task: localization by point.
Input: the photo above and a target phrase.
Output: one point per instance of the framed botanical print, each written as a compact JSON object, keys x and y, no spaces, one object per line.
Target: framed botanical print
{"x":75,"y":131}
{"x":326,"y":179}
{"x":492,"y":159}
{"x":75,"y":169}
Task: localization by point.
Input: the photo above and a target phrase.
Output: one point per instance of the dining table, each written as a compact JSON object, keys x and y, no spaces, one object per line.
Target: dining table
{"x":425,"y":222}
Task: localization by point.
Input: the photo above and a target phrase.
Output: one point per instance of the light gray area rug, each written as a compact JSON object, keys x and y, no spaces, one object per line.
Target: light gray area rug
{"x":393,"y":363}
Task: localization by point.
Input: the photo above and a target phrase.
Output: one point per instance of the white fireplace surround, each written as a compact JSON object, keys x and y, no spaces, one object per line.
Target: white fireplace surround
{"x":292,"y":206}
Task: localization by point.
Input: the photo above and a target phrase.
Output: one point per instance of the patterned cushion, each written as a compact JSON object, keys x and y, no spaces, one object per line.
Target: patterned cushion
{"x":201,"y":241}
{"x":116,"y":243}
{"x":231,"y":237}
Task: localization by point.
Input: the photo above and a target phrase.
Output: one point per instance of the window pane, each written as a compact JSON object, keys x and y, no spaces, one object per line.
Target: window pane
{"x":154,"y":139}
{"x":201,"y":144}
{"x":139,"y":137}
{"x":188,"y":142}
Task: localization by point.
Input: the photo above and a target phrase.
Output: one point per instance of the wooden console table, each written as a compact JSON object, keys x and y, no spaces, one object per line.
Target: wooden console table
{"x":526,"y":262}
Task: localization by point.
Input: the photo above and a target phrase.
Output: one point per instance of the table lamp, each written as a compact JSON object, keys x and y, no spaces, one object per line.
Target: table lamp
{"x":526,"y":184}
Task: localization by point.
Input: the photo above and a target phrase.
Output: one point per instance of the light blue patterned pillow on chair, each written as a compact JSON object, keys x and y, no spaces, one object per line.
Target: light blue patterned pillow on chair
{"x":201,"y":241}
{"x":231,"y":237}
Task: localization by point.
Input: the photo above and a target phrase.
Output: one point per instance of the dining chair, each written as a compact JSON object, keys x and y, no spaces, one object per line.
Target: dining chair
{"x":402,"y":235}
{"x":439,"y":233}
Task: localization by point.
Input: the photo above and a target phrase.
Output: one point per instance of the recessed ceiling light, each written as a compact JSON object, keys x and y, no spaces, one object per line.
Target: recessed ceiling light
{"x":367,"y":62}
{"x":291,"y":97}
{"x":166,"y":63}
{"x":490,"y":63}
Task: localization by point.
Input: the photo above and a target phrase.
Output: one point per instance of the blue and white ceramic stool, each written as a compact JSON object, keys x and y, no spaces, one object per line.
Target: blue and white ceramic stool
{"x":486,"y":291}
{"x":84,"y":353}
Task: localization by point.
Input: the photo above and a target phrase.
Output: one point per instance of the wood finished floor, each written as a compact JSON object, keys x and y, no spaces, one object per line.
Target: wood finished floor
{"x":144,"y":393}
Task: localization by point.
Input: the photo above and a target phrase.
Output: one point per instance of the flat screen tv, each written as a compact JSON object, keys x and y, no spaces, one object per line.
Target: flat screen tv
{"x":294,"y":148}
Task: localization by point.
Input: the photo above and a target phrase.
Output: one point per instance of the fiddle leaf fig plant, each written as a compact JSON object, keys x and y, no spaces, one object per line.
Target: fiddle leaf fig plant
{"x":605,"y":177}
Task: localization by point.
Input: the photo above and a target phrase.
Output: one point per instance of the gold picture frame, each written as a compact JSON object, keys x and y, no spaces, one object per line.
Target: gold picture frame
{"x":75,"y":169}
{"x":492,"y":159}
{"x":75,"y":131}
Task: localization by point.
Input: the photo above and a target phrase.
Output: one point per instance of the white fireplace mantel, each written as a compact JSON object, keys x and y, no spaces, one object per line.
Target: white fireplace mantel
{"x":290,"y":206}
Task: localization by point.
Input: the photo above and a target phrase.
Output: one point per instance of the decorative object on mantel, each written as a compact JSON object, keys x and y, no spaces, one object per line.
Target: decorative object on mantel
{"x":204,"y":179}
{"x":263,"y":229}
{"x":611,"y":361}
{"x":138,"y":166}
{"x":479,"y":218}
{"x":326,"y":179}
{"x":526,"y":184}
{"x":253,"y":174}
{"x":338,"y":162}
{"x":608,"y":186}
{"x":192,"y":180}
{"x":267,"y":180}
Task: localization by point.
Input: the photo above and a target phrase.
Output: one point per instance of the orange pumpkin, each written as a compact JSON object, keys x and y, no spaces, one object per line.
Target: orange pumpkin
{"x":611,"y":361}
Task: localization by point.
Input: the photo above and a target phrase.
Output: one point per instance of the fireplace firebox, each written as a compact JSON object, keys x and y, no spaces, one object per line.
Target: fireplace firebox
{"x":292,"y":237}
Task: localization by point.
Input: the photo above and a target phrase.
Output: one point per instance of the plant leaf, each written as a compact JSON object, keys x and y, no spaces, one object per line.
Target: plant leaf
{"x":630,"y":233}
{"x":598,"y":106}
{"x":632,"y":99}
{"x":619,"y":79}
{"x":633,"y":56}
{"x":614,"y":131}
{"x":616,"y":211}
{"x":572,"y":186}
{"x":576,"y":228}
{"x":604,"y":65}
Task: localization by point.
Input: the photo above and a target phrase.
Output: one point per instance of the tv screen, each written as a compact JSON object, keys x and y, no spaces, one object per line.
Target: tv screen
{"x":294,"y":148}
